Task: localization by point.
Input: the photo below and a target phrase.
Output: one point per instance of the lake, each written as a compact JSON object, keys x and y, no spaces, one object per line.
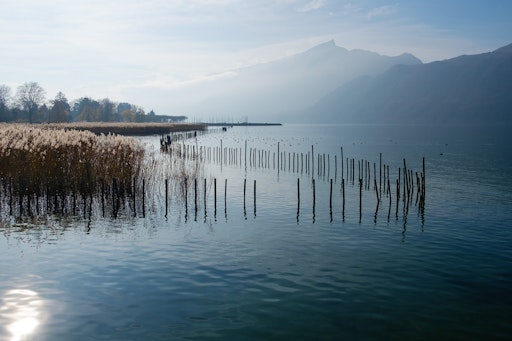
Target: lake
{"x":274,"y":266}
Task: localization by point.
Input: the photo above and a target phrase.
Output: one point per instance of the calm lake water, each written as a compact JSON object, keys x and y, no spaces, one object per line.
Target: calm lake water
{"x":279,"y":269}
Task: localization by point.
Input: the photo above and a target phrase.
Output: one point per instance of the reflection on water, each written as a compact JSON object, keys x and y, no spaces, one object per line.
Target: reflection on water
{"x":307,"y":267}
{"x":21,"y":312}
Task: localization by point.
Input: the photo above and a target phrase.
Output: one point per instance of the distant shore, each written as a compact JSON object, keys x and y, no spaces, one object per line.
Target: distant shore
{"x":121,"y":128}
{"x":243,"y":124}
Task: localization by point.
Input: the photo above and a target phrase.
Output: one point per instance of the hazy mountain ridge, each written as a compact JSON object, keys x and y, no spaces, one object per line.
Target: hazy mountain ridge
{"x":265,"y":91}
{"x":469,"y":89}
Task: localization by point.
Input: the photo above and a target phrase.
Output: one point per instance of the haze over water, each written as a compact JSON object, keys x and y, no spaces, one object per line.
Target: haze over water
{"x":280,"y":270}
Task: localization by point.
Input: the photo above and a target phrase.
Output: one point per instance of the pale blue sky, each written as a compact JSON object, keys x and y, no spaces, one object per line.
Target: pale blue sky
{"x":123,"y":49}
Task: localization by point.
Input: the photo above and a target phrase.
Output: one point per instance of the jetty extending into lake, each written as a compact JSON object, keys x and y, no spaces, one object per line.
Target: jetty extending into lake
{"x":131,"y":129}
{"x":241,"y":124}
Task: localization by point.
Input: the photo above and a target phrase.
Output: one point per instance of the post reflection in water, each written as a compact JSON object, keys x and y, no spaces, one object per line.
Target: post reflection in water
{"x":21,"y":313}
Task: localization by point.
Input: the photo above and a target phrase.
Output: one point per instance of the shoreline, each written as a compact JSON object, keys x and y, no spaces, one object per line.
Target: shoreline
{"x":122,"y":128}
{"x":245,"y":124}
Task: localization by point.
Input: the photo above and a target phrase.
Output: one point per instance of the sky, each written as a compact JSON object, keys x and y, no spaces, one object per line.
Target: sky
{"x":127,"y":50}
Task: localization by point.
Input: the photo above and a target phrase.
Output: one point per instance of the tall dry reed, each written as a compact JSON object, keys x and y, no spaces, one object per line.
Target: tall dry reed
{"x":37,"y":161}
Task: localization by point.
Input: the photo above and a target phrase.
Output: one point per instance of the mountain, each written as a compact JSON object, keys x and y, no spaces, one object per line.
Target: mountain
{"x":475,"y":89}
{"x":264,"y":91}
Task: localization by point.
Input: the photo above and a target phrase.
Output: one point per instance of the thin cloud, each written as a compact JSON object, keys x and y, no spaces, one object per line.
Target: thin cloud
{"x":382,"y":11}
{"x":312,"y":6}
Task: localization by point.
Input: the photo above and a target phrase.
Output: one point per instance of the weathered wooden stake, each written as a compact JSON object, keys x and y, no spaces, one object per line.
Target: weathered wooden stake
{"x":376,"y":190}
{"x":330,"y":200}
{"x":389,"y":194}
{"x":298,"y":192}
{"x":204,"y":198}
{"x":298,"y":198}
{"x":245,"y":190}
{"x":215,"y":197}
{"x":360,"y":199}
{"x":255,"y":198}
{"x":314,"y":197}
{"x":166,"y":196}
{"x":397,"y":194}
{"x":343,"y":198}
{"x":195,"y":196}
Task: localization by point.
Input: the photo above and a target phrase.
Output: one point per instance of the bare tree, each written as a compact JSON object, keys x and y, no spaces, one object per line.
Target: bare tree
{"x":5,"y":95}
{"x":29,"y":96}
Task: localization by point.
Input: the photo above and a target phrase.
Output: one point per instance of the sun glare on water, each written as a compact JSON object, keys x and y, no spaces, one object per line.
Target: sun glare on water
{"x":21,"y":311}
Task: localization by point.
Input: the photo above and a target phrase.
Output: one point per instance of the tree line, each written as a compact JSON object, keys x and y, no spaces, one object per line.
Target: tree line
{"x":29,"y":104}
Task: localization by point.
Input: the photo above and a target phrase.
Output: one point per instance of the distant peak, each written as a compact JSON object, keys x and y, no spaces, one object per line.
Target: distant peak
{"x":327,"y":46}
{"x":410,"y":58}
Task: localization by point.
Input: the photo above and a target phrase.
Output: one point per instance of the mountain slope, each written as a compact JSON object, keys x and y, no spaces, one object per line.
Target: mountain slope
{"x":473,"y":89}
{"x":266,"y":90}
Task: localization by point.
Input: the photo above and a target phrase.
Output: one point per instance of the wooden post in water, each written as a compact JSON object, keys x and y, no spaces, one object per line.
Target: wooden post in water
{"x":204,"y":199}
{"x":255,"y":198}
{"x":406,"y":183}
{"x":314,"y":198}
{"x":418,"y":188}
{"x":330,"y":200}
{"x":399,"y":182}
{"x":360,"y":199}
{"x":195,"y":197}
{"x":359,"y":176}
{"x":185,"y":183}
{"x":312,"y":162}
{"x":215,"y":197}
{"x":245,"y":190}
{"x":298,"y":191}
{"x":389,"y":194}
{"x":376,"y":190}
{"x":166,"y":196}
{"x":225,"y":197}
{"x":298,"y":198}
{"x":397,"y":194}
{"x":375,"y":176}
{"x":343,"y":198}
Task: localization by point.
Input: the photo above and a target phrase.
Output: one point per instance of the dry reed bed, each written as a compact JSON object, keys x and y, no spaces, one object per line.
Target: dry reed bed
{"x":37,"y":161}
{"x":69,"y":171}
